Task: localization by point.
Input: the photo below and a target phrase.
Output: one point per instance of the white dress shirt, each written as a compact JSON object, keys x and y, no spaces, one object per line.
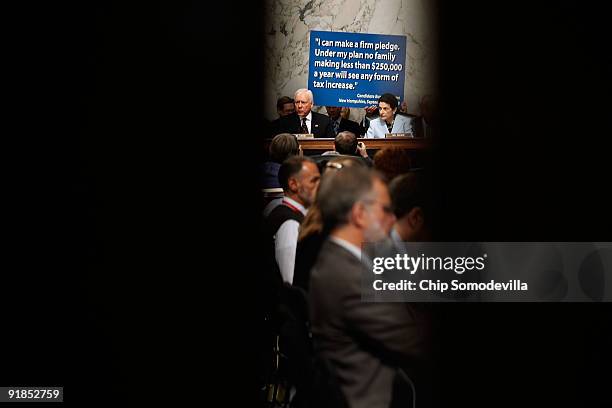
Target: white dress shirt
{"x":285,"y":243}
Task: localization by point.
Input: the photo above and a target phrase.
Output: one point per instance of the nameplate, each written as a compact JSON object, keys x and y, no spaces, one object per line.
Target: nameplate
{"x":301,"y":136}
{"x":398,"y":135}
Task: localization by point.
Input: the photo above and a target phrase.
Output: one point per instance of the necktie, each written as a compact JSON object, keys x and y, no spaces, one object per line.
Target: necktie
{"x":304,"y":127}
{"x":336,"y":126}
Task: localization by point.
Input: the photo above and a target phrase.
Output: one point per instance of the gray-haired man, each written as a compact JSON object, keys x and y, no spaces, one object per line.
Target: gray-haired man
{"x":364,"y":342}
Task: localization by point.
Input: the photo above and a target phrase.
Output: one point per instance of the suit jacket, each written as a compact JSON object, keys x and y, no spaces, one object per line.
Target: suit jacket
{"x":419,"y":127}
{"x":378,"y":127}
{"x":320,"y":126}
{"x":351,"y":126}
{"x":364,"y":342}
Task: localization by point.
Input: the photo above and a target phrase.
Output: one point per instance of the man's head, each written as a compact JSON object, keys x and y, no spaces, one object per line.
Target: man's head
{"x":333,"y":112}
{"x":285,"y":106}
{"x":356,"y":202}
{"x":410,"y":199}
{"x":303,"y":102}
{"x":283,"y":146}
{"x":387,"y":106}
{"x":346,"y":143}
{"x":299,"y":178}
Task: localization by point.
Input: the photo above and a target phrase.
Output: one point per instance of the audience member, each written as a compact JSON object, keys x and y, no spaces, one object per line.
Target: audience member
{"x":299,"y":178}
{"x":392,"y":161}
{"x":411,"y":198}
{"x":311,"y":236}
{"x":346,"y":144}
{"x":281,"y":148}
{"x":388,"y":121}
{"x":365,"y":342}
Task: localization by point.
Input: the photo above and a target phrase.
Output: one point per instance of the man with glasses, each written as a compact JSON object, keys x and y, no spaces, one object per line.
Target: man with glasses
{"x":365,"y":342}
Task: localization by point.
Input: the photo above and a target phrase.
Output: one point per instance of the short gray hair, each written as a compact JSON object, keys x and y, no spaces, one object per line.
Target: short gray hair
{"x":338,"y":194}
{"x":306,"y":91}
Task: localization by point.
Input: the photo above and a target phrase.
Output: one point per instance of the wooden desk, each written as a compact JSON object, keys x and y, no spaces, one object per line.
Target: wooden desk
{"x":324,"y":144}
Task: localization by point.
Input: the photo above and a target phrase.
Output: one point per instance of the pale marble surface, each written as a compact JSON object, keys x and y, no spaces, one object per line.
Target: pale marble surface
{"x":288,"y":23}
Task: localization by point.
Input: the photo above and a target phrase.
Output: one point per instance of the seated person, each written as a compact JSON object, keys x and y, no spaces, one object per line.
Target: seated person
{"x":389,"y":121}
{"x":427,"y":122}
{"x":340,"y":124}
{"x":346,"y":144}
{"x":281,"y":148}
{"x":304,"y":120}
{"x":284,"y":106}
{"x":393,"y":161}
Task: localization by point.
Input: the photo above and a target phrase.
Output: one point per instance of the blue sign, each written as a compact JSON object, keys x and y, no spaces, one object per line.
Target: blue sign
{"x":354,"y":70}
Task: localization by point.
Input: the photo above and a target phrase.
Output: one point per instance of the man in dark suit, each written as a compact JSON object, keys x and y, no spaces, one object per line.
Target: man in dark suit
{"x":304,"y":120}
{"x":340,"y":124}
{"x":365,"y":342}
{"x":426,"y":124}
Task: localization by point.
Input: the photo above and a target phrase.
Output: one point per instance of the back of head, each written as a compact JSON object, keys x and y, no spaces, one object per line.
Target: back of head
{"x":408,"y":191}
{"x":283,"y":146}
{"x":392,"y":161}
{"x":346,"y":143}
{"x":339,"y":193}
{"x":341,"y":162}
{"x":291,"y":168}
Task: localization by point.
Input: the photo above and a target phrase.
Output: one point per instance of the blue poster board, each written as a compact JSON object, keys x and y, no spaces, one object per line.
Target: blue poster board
{"x":353,"y":69}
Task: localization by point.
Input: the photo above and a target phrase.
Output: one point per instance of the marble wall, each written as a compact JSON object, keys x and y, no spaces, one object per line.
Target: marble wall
{"x":288,"y":23}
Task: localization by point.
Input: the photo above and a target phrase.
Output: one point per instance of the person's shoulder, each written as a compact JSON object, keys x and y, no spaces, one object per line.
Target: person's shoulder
{"x":335,"y":270}
{"x":333,"y":254}
{"x":377,"y":122}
